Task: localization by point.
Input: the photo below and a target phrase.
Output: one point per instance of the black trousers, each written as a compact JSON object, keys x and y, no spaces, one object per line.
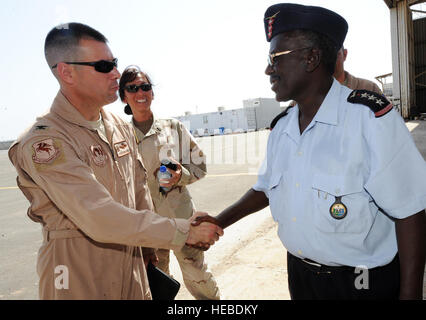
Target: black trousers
{"x":310,"y":282}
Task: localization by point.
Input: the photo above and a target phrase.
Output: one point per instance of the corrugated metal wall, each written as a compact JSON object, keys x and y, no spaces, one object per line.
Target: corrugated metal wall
{"x":419,"y":26}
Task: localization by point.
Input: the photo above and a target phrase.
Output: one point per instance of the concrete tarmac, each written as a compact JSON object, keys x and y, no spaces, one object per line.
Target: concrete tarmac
{"x":233,"y":161}
{"x":248,"y":262}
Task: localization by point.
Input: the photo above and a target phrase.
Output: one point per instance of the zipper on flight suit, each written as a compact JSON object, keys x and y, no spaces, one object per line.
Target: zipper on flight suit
{"x":126,"y":249}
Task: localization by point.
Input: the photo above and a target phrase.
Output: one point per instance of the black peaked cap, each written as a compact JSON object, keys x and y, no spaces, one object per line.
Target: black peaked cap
{"x":283,"y":17}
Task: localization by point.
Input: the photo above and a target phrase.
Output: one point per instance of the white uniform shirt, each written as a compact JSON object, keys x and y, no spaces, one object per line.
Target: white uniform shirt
{"x":345,"y":152}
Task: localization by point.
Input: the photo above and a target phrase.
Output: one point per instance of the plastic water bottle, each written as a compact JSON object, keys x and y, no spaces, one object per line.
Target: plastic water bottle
{"x":163,"y":174}
{"x":168,"y":164}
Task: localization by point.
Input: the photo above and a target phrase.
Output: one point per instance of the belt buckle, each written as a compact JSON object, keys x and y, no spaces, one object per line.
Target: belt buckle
{"x":312,"y":263}
{"x":317,"y":265}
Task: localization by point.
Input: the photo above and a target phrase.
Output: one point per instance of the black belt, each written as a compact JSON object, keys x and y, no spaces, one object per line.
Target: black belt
{"x":322,"y":268}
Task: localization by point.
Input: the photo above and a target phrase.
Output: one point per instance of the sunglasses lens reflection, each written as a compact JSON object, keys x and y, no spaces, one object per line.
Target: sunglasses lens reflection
{"x":134,"y":88}
{"x":146,"y":87}
{"x":105,"y":66}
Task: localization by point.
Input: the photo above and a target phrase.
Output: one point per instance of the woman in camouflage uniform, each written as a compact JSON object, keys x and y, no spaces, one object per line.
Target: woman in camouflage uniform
{"x":160,"y":139}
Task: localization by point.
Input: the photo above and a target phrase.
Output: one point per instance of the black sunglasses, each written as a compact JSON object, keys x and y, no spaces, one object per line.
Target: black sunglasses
{"x":134,"y":88}
{"x":103,"y":66}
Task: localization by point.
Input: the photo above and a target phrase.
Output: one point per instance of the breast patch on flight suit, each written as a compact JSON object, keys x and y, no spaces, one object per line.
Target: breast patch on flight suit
{"x":376,"y":102}
{"x":122,"y":148}
{"x":98,"y":155}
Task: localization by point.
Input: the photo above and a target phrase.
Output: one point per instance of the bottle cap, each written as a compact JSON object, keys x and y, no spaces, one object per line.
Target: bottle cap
{"x":163,"y":169}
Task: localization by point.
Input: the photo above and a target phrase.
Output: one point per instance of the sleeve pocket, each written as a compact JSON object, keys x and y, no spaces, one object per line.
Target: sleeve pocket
{"x":276,"y":191}
{"x":274,"y":181}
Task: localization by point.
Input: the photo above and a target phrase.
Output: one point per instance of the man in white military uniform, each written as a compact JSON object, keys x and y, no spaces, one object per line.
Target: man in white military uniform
{"x":342,"y":174}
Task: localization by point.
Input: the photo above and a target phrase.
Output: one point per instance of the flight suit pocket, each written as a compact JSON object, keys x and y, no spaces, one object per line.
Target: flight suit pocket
{"x":340,"y":204}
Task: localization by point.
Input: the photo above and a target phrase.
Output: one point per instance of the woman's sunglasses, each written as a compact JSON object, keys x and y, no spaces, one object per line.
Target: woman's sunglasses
{"x":103,"y":66}
{"x":132,"y":88}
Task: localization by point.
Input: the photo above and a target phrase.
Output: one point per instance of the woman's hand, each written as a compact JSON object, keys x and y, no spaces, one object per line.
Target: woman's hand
{"x":174,"y":179}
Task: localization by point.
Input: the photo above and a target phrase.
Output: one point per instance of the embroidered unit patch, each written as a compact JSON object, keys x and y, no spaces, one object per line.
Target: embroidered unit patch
{"x":45,"y":151}
{"x":98,"y":155}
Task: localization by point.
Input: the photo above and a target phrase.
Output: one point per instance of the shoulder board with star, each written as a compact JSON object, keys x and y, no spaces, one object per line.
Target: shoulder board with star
{"x":376,"y":102}
{"x":279,"y":116}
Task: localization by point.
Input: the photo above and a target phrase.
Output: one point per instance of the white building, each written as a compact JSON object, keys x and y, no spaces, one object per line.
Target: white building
{"x":408,"y":25}
{"x":256,"y":114}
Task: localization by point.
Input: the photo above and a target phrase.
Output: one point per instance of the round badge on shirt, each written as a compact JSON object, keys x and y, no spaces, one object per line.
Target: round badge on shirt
{"x":338,"y":210}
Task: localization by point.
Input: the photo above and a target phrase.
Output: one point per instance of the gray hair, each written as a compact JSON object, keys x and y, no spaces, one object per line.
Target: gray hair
{"x":62,"y":42}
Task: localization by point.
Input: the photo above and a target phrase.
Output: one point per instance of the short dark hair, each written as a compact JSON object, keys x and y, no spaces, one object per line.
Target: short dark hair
{"x":130,"y":74}
{"x":62,"y":41}
{"x":327,"y":47}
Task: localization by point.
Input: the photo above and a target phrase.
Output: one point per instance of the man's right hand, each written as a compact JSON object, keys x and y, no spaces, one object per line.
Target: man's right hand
{"x":204,"y":232}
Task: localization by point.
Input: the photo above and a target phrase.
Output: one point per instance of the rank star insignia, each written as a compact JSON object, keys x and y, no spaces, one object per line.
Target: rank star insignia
{"x":379,"y":102}
{"x":41,"y":127}
{"x":376,"y":102}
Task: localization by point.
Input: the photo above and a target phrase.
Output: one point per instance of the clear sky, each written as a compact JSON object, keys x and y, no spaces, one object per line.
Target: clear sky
{"x":200,"y":54}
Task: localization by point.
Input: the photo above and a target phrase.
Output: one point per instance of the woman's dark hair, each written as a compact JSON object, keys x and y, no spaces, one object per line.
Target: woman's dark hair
{"x":129,"y":75}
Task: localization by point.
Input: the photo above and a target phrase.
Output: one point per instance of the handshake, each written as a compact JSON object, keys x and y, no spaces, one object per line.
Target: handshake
{"x":205,"y":230}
